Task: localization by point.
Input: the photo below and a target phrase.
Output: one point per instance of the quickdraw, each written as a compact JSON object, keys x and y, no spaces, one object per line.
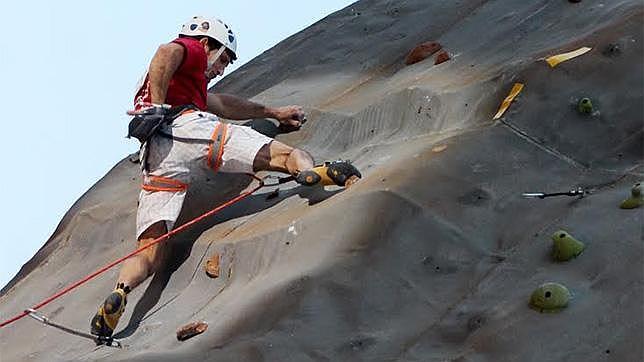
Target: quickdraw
{"x":110,"y":342}
{"x":542,"y":195}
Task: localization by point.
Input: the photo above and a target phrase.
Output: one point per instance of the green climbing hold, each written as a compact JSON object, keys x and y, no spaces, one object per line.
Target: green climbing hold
{"x":565,"y":247}
{"x":550,"y":298}
{"x":636,"y":200}
{"x":585,"y":106}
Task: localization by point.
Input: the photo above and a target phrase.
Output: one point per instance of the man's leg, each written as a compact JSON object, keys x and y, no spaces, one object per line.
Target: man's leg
{"x":133,"y":272}
{"x":139,"y":267}
{"x":277,"y":156}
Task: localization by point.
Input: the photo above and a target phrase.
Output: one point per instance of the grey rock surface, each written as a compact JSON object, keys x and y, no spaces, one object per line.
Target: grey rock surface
{"x":434,"y":254}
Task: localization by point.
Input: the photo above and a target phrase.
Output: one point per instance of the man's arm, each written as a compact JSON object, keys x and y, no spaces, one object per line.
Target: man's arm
{"x":165,"y":62}
{"x":236,"y":108}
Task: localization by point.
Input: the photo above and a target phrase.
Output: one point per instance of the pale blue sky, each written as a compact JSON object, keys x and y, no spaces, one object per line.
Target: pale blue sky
{"x":67,"y":74}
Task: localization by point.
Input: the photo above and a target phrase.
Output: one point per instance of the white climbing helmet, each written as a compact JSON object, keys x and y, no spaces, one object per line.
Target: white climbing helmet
{"x":213,"y":28}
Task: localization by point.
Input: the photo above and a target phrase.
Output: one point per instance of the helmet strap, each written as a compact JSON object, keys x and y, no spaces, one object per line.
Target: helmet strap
{"x":218,"y":53}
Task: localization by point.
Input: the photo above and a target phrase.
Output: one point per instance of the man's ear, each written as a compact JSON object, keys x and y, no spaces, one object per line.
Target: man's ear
{"x":204,"y":42}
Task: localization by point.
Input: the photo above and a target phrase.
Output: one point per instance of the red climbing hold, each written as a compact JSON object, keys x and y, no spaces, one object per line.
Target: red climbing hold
{"x":190,"y":330}
{"x":421,"y":52}
{"x":442,"y":57}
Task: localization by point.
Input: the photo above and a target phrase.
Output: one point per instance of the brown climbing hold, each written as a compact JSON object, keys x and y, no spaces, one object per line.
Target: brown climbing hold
{"x":439,"y":148}
{"x":212,"y":266}
{"x":191,"y":330}
{"x":421,"y":52}
{"x":441,"y":57}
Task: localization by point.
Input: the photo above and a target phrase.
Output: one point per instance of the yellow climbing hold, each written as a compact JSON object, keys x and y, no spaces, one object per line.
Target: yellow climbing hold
{"x":636,"y":200}
{"x":550,"y":298}
{"x":516,"y":89}
{"x":560,"y":58}
{"x":439,"y":148}
{"x":565,"y":247}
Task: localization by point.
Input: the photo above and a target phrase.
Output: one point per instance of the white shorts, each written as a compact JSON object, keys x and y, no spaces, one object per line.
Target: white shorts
{"x":173,"y":165}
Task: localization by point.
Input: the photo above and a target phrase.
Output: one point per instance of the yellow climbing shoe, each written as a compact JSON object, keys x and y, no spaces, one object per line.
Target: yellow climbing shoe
{"x":107,"y":317}
{"x":340,"y":173}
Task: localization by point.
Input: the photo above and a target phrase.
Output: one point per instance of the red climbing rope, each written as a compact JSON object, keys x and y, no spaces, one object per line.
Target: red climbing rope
{"x":153,"y":242}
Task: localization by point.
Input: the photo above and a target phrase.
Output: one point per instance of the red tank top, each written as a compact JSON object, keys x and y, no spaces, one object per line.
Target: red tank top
{"x":188,"y":84}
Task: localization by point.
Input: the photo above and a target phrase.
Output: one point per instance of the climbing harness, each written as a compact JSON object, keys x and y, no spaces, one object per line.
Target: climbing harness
{"x":146,"y":122}
{"x":150,"y":121}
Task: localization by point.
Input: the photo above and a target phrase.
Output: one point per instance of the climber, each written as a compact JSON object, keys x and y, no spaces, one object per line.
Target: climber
{"x":182,"y":152}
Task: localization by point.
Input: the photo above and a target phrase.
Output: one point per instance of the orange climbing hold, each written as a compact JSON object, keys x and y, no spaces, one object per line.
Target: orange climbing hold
{"x":516,"y":89}
{"x":212,"y":266}
{"x":560,"y":58}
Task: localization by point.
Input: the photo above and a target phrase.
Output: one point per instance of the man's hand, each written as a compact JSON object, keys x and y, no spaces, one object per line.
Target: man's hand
{"x":289,"y":116}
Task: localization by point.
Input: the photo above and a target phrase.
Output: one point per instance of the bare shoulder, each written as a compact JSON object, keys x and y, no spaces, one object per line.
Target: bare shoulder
{"x":171,"y":48}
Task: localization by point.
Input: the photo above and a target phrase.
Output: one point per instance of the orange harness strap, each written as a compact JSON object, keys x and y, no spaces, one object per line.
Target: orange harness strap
{"x":218,"y":139}
{"x":159,"y":183}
